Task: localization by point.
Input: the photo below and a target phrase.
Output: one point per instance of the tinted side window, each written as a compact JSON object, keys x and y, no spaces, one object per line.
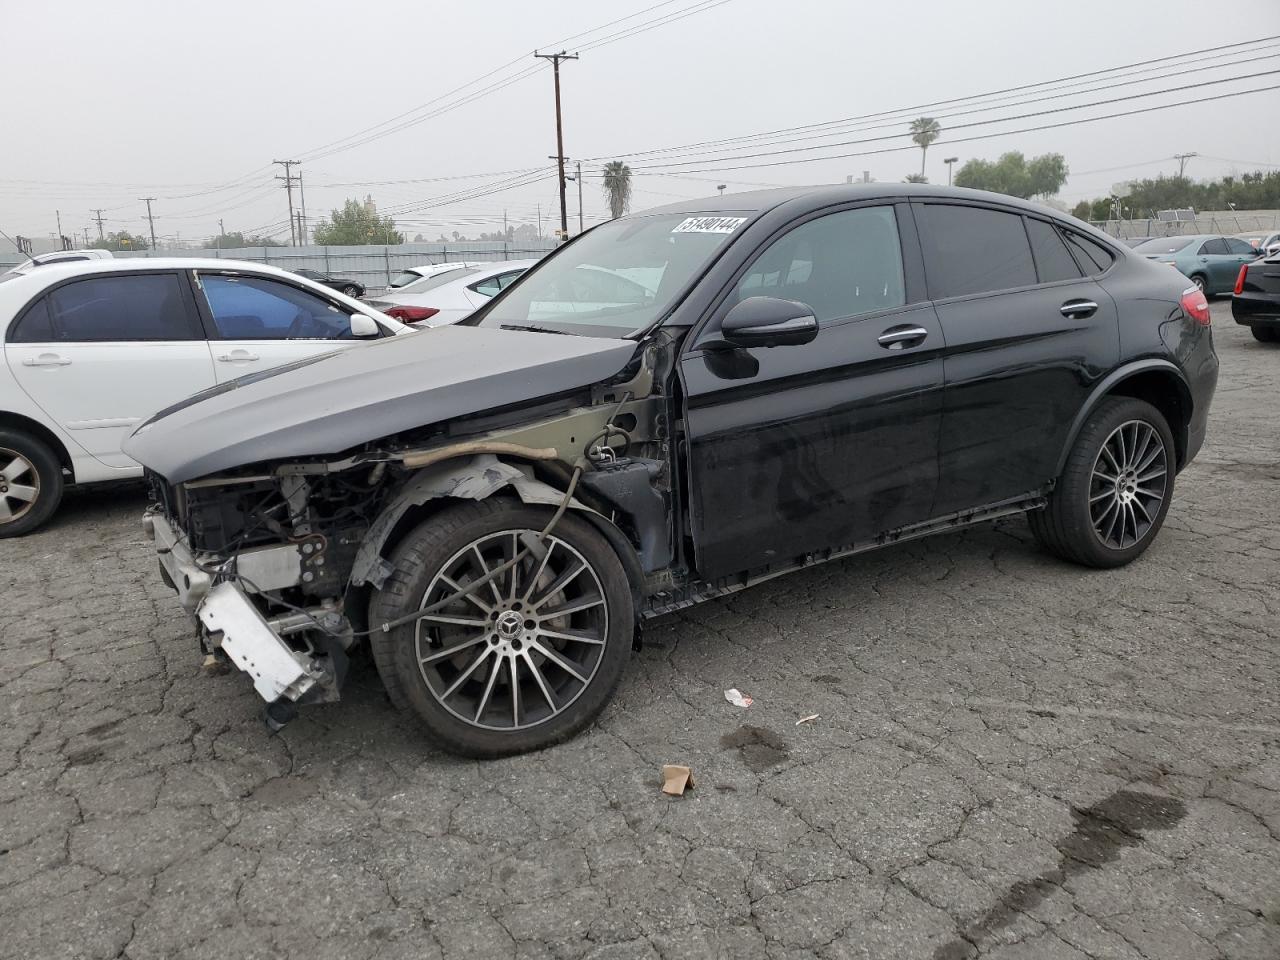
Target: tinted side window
{"x":1215,"y":246}
{"x":253,"y":308}
{"x":1239,"y":246}
{"x":1053,"y":259}
{"x":142,"y":307}
{"x":841,"y":265}
{"x":34,"y":327}
{"x":975,"y":250}
{"x":506,"y":279}
{"x":1093,"y":257}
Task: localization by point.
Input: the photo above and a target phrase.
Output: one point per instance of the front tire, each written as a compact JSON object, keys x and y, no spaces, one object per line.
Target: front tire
{"x":519,"y":662}
{"x":30,"y":483}
{"x":352,"y":291}
{"x":1115,"y":489}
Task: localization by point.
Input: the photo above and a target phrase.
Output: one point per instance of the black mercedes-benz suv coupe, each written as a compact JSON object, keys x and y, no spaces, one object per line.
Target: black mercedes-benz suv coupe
{"x":673,"y":406}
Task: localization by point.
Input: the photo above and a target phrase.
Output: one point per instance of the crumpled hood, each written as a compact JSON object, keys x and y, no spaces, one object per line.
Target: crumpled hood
{"x":324,"y":405}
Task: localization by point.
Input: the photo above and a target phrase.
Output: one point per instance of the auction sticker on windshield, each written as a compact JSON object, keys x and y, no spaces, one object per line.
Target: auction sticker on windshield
{"x":709,"y":225}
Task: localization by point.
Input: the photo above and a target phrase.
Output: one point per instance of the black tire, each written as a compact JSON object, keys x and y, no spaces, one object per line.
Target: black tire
{"x":1265,"y":334}
{"x":1200,"y":281}
{"x":27,"y":463}
{"x":555,"y":704}
{"x":1066,"y":527}
{"x":351,"y":290}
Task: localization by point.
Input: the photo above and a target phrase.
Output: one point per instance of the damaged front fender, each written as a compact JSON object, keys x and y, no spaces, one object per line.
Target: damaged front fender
{"x":474,"y":478}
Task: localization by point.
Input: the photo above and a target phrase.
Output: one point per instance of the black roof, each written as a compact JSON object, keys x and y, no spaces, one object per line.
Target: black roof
{"x":758,"y":201}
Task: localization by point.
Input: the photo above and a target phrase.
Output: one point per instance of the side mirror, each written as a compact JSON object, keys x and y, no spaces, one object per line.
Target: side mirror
{"x":363,"y":325}
{"x":769,"y":322}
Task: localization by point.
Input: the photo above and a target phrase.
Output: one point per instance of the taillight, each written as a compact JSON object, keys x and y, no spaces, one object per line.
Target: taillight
{"x":411,"y":314}
{"x":1197,"y":307}
{"x":1240,"y":279}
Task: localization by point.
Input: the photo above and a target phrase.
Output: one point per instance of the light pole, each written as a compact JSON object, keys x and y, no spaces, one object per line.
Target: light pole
{"x":949,"y":161}
{"x":721,"y":188}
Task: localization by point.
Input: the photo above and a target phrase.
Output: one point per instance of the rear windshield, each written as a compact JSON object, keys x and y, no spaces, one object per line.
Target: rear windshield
{"x":1163,"y":245}
{"x":423,"y":284}
{"x":403,"y":279}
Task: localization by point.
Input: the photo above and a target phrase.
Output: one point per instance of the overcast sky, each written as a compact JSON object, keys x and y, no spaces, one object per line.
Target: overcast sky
{"x":109,"y":102}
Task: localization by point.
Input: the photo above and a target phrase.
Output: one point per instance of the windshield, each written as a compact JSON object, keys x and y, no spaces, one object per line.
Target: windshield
{"x":618,"y":279}
{"x":1163,"y":245}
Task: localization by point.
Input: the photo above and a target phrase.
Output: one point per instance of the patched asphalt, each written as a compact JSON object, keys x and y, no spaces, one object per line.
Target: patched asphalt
{"x":1014,"y":758}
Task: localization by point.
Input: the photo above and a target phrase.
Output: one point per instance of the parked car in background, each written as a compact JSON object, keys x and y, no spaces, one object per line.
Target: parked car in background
{"x":1255,"y":302}
{"x":352,"y":288}
{"x":449,"y":295}
{"x":91,"y":349}
{"x":59,"y":256}
{"x":1265,"y":242}
{"x":1209,"y":261}
{"x":414,"y":274}
{"x":784,"y":378}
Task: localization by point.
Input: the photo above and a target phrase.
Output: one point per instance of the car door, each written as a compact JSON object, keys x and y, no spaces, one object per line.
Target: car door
{"x":817,"y":446}
{"x":258,"y":322}
{"x":1219,"y":264}
{"x":1027,"y":335}
{"x":100,"y":354}
{"x":1240,"y":253}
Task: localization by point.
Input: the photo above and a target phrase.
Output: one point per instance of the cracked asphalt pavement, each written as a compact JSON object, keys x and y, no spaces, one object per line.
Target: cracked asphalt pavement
{"x":1015,"y":758}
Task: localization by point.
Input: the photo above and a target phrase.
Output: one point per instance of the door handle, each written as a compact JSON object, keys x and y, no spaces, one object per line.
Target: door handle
{"x":1078,"y":309}
{"x":901,"y":337}
{"x":237,"y":356}
{"x":46,"y":360}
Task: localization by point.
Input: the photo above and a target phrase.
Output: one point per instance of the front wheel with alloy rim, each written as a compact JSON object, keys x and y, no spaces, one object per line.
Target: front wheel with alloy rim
{"x":30,"y":483}
{"x":522,"y":638}
{"x":1115,"y":489}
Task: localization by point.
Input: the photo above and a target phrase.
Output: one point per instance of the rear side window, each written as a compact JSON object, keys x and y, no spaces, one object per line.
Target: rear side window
{"x":1215,"y":246}
{"x":1053,"y":259}
{"x":489,"y":286}
{"x":109,"y":309}
{"x":1239,"y":246}
{"x":975,"y":250}
{"x":1092,"y":256}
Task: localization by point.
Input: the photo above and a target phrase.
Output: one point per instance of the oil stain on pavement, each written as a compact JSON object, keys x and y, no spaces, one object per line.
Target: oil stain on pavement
{"x":758,"y":747}
{"x":1101,"y":832}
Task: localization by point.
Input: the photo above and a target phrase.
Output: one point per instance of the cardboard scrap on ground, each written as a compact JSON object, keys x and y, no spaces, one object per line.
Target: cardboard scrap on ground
{"x":676,"y":779}
{"x":738,"y":698}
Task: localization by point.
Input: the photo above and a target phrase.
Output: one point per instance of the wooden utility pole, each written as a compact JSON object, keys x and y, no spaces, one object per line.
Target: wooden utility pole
{"x":555,"y":59}
{"x":150,"y":220}
{"x":99,"y":219}
{"x":288,"y":179}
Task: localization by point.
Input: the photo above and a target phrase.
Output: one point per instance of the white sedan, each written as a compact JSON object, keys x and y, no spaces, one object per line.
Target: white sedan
{"x":448,"y":297}
{"x":414,"y":274}
{"x":93,"y":348}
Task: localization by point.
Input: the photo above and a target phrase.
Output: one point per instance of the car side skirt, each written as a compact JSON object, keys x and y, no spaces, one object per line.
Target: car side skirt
{"x":670,"y":600}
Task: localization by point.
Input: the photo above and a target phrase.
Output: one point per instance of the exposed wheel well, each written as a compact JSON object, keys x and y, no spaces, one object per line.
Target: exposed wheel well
{"x":1164,"y":391}
{"x":14,"y":421}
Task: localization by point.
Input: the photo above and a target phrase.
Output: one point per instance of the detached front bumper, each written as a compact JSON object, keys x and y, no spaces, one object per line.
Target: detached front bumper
{"x":234,"y":624}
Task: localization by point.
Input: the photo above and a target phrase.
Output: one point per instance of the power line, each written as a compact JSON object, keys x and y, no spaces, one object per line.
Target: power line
{"x":961,"y":126}
{"x":1182,"y":58}
{"x":1002,"y":133}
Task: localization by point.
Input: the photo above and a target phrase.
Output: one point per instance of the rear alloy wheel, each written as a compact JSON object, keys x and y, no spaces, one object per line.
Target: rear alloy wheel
{"x":1201,"y":283}
{"x":1265,"y":334}
{"x":30,"y":483}
{"x":1115,"y":490}
{"x":351,"y":291}
{"x":516,"y":662}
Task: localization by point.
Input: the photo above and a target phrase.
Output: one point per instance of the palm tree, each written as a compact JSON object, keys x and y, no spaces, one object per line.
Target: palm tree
{"x":617,"y":187}
{"x":916,"y":178}
{"x":924,"y":131}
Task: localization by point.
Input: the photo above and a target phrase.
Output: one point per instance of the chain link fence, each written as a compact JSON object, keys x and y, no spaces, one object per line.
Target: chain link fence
{"x":1214,"y":221}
